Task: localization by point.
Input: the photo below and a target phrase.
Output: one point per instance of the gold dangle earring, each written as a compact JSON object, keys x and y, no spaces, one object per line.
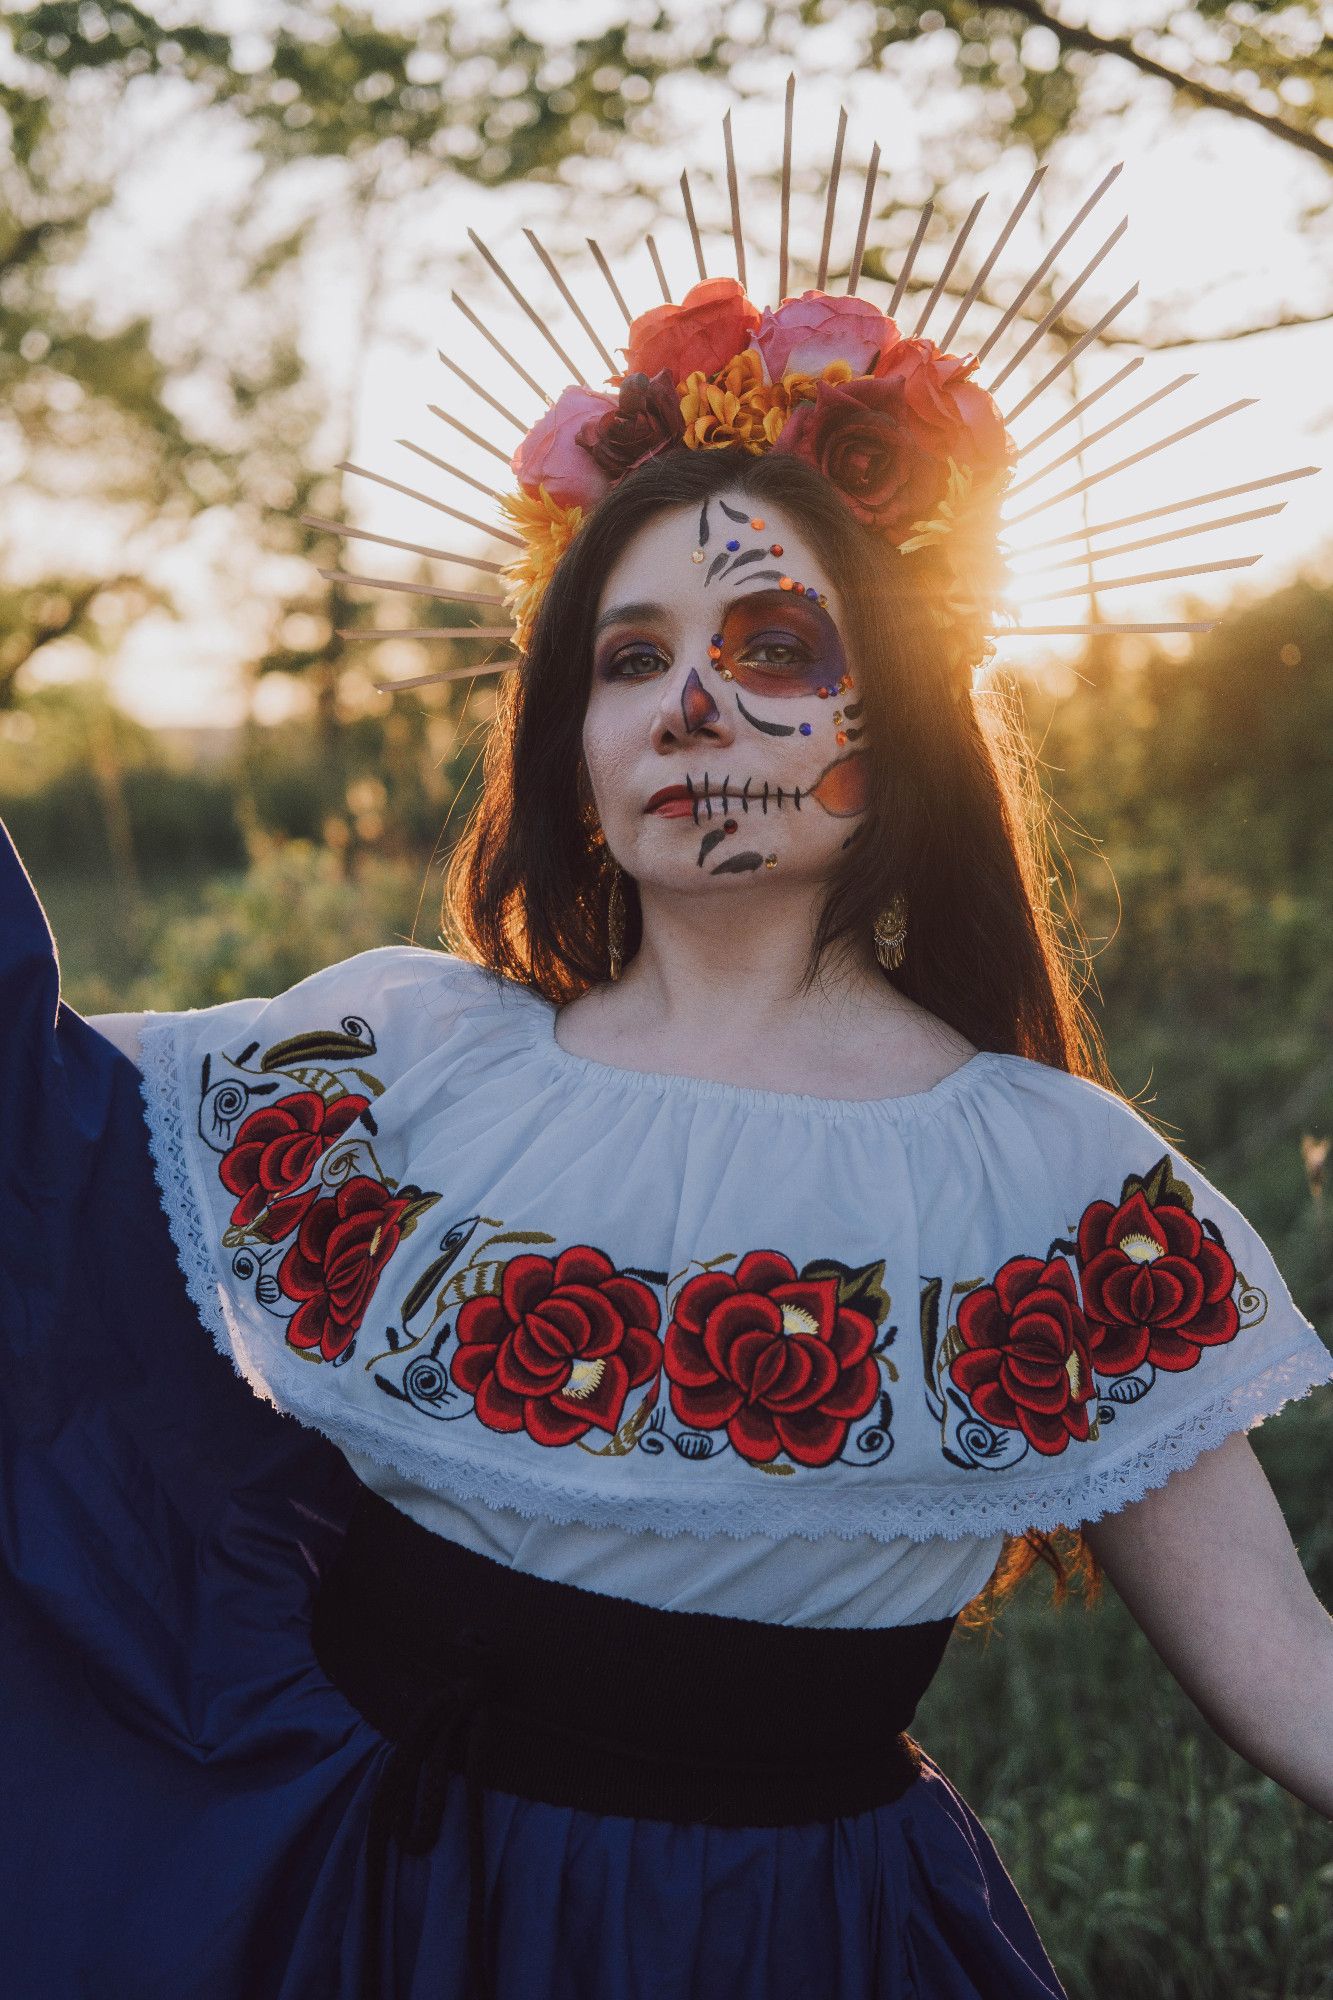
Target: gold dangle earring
{"x":615,"y":922}
{"x":891,"y":933}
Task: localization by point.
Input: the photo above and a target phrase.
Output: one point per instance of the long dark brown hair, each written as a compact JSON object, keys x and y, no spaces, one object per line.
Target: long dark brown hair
{"x":957,"y":820}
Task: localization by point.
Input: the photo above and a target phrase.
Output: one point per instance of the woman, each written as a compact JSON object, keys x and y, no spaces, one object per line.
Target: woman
{"x":685,"y":1297}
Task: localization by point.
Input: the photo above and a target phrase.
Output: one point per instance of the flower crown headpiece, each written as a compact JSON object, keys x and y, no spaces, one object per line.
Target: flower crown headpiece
{"x":917,"y":447}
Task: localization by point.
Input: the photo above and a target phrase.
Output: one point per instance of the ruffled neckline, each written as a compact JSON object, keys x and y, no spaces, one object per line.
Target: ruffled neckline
{"x":540,"y":1024}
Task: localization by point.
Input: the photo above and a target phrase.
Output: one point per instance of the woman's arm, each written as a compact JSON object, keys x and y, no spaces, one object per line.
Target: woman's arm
{"x":122,"y":1030}
{"x":1207,"y":1566}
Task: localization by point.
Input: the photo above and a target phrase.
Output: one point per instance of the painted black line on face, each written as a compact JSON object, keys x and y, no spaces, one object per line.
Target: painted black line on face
{"x":708,"y":843}
{"x":718,"y":563}
{"x":703,"y":525}
{"x":738,"y":864}
{"x":731,"y":513}
{"x":739,"y":562}
{"x":769,"y":728}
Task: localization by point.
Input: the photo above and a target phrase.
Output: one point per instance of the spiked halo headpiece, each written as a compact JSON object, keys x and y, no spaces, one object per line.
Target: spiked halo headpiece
{"x":920,"y":450}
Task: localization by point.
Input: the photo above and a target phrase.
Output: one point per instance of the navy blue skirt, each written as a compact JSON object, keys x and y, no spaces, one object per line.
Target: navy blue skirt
{"x":185,"y":1795}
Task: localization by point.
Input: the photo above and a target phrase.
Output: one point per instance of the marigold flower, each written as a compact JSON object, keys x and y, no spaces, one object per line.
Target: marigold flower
{"x":547,"y":529}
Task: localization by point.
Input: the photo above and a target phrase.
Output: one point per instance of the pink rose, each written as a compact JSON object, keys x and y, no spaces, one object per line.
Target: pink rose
{"x":952,"y":416}
{"x":551,"y":455}
{"x":805,"y":334}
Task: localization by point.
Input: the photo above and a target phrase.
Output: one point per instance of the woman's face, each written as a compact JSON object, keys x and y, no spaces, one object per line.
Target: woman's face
{"x":722,"y":728}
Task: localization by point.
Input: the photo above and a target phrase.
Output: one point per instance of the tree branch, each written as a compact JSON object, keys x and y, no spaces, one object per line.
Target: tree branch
{"x":1090,"y":43}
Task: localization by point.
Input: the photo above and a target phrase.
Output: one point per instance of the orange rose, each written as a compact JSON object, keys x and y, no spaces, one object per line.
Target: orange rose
{"x":712,"y":323}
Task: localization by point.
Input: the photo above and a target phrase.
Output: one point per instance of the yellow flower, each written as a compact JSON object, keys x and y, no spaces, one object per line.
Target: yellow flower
{"x":737,"y":406}
{"x":547,"y":529}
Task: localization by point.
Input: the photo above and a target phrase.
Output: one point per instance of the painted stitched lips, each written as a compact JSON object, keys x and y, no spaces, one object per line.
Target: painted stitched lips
{"x":343,"y":1244}
{"x":558,"y":1350}
{"x":1155,"y":1288}
{"x":1025,"y":1363}
{"x":772,"y":1357}
{"x":275,"y":1150}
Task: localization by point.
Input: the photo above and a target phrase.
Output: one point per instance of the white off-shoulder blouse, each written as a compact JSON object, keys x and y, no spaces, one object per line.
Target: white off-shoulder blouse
{"x":783,"y":1357}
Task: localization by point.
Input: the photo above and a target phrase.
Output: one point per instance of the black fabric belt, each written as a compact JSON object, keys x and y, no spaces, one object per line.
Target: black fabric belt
{"x":577,"y":1699}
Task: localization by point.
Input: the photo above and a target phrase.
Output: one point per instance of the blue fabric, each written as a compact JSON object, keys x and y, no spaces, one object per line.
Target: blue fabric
{"x":184,"y":1797}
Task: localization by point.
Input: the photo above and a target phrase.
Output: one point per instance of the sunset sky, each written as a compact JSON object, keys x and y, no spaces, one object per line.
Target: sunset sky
{"x":1213,"y":240}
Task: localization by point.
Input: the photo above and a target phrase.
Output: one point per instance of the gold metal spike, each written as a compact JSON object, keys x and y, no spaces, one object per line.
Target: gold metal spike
{"x":440,"y":506}
{"x":485,"y":394}
{"x":1170,"y":507}
{"x":974,"y":289}
{"x":569,"y":299}
{"x":525,"y":305}
{"x":443,"y":465}
{"x":830,"y":205}
{"x":734,"y":193}
{"x":1096,"y":585}
{"x":474,"y":437}
{"x":949,"y":263}
{"x":1070,"y":356}
{"x":606,"y":271}
{"x":1101,"y":630}
{"x":1071,"y":291}
{"x":1095,"y":437}
{"x":1085,"y":556}
{"x":1084,"y":403}
{"x":450,"y":674}
{"x":1020,"y":298}
{"x":1135,"y":458}
{"x":910,"y":259}
{"x":364,"y":632}
{"x":786,"y":187}
{"x":474,"y":319}
{"x":431,"y":590}
{"x":867,"y":202}
{"x":661,"y":274}
{"x":695,"y":238}
{"x":341,"y":529}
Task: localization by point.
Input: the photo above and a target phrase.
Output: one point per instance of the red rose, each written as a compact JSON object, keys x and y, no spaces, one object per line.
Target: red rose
{"x":860,"y":435}
{"x":771,"y":1356}
{"x":1155,"y":1288}
{"x":1025,"y":1365}
{"x":343,"y":1244}
{"x":951,"y":416}
{"x":276,"y":1150}
{"x":560,"y":1348}
{"x":646,"y":419}
{"x":709,"y":327}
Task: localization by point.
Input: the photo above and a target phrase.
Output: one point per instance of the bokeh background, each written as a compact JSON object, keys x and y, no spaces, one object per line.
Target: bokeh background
{"x":228,"y":237}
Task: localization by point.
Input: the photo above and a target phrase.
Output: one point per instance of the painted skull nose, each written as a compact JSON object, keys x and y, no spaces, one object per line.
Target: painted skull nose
{"x":696,"y":704}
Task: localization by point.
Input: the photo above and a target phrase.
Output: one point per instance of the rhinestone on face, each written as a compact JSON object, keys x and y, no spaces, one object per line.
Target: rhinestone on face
{"x":810,"y":590}
{"x":733,"y":545}
{"x":775,"y":549}
{"x":770,"y":861}
{"x":784,"y":583}
{"x":758,"y":527}
{"x":696,"y":555}
{"x":841,"y":737}
{"x":805,"y":729}
{"x":728,"y":826}
{"x":716,"y":639}
{"x":715,"y":652}
{"x":823,"y":694}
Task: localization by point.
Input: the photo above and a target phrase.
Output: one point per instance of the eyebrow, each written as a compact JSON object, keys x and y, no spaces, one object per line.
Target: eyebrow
{"x":646,"y":609}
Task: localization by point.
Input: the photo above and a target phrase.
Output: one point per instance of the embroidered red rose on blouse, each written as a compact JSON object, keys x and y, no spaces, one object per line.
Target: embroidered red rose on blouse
{"x":275,"y":1151}
{"x":343,"y":1244}
{"x":1155,"y":1288}
{"x":1025,"y":1363}
{"x":773,"y":1357}
{"x":561,"y":1346}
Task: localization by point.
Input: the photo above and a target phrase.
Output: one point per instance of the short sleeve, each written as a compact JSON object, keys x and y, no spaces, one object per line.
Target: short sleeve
{"x":1151,"y":1325}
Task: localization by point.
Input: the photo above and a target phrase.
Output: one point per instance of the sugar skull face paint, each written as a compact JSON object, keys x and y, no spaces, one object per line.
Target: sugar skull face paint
{"x":722,"y":724}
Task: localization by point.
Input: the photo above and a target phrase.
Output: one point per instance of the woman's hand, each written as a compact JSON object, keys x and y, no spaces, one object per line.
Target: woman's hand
{"x":122,"y":1030}
{"x":1207,"y":1566}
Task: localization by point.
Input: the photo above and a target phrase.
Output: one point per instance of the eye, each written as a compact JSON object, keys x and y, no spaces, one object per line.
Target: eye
{"x":621,"y":665}
{"x":773,"y":649}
